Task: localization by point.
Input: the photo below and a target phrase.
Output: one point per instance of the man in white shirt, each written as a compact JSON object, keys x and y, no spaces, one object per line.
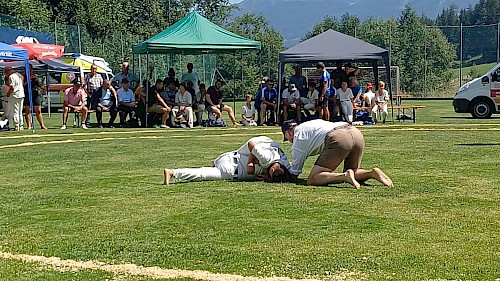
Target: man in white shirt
{"x":15,"y":93}
{"x":291,"y":101}
{"x":192,"y":76}
{"x":336,"y":143}
{"x":259,"y":158}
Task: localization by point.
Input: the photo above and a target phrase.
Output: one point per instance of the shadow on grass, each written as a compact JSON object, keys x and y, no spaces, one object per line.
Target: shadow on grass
{"x":479,"y":144}
{"x":467,"y":117}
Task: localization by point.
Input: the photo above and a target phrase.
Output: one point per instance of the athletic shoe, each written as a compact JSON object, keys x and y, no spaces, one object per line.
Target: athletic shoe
{"x":164,"y":126}
{"x":84,"y":127}
{"x":63,"y":127}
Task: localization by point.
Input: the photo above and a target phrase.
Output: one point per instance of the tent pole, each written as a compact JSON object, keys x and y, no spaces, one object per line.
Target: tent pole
{"x":147,"y":89}
{"x":234,"y":83}
{"x":387,"y":62}
{"x":280,"y":78}
{"x":47,"y":83}
{"x":28,"y":79}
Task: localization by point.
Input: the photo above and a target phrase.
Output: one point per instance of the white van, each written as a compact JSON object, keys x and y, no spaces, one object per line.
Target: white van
{"x":481,"y":96}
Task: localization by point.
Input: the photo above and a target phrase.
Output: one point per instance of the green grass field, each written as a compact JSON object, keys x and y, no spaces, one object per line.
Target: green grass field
{"x":96,"y":195}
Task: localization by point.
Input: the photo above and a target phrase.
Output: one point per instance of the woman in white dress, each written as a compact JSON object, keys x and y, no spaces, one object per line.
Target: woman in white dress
{"x":346,"y":98}
{"x":248,"y":112}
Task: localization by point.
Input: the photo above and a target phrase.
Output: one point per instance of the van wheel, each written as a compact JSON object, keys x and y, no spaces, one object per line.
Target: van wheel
{"x":481,"y":109}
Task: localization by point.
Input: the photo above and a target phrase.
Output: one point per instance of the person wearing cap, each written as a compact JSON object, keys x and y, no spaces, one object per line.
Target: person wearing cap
{"x":157,"y":104}
{"x":380,"y":103}
{"x":335,"y":143}
{"x":213,"y":103}
{"x":299,"y":81}
{"x":74,"y":101}
{"x":125,"y":73}
{"x":291,"y":101}
{"x":126,"y":102}
{"x":368,"y":96}
{"x":324,"y":88}
{"x":260,"y":158}
{"x":15,"y":93}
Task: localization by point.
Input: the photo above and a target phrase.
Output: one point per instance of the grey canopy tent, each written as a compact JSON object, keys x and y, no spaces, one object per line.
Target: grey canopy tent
{"x":194,"y":35}
{"x":331,"y":46}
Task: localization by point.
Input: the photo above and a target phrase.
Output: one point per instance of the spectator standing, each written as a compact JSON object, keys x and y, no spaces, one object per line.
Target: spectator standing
{"x":105,"y":98}
{"x":299,"y":81}
{"x":184,"y":102}
{"x":127,"y":104}
{"x":192,"y":76}
{"x":248,"y":112}
{"x":35,"y":97}
{"x":200,"y":103}
{"x":324,"y":91}
{"x":74,"y":100}
{"x":16,"y":96}
{"x":381,"y":100}
{"x":125,"y":73}
{"x":213,"y":102}
{"x":346,"y":98}
{"x":4,"y":120}
{"x":171,"y":78}
{"x":157,"y":104}
{"x":93,"y":81}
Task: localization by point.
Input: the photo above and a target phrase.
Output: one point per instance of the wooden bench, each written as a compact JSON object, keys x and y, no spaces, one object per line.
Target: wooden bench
{"x":400,"y":108}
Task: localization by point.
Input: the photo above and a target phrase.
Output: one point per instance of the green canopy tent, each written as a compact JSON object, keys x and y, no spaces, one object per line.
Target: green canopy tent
{"x":195,"y":35}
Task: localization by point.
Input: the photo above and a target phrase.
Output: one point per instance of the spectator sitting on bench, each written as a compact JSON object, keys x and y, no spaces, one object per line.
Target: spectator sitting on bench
{"x":368,"y":97}
{"x":200,"y":103}
{"x":74,"y":100}
{"x":356,"y":90}
{"x":126,"y":102}
{"x":213,"y":103}
{"x":248,"y":112}
{"x":170,"y":93}
{"x":184,"y":102}
{"x":291,"y":101}
{"x":105,"y":97}
{"x":267,"y":101}
{"x":380,"y":102}
{"x":157,"y":103}
{"x":310,"y":103}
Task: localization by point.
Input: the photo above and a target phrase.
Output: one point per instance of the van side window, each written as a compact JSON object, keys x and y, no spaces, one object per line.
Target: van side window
{"x":485,"y":80}
{"x":495,"y":77}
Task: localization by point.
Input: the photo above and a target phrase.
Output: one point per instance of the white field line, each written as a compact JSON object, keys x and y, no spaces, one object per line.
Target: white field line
{"x":156,"y":272}
{"x":424,"y":127}
{"x":25,"y":144}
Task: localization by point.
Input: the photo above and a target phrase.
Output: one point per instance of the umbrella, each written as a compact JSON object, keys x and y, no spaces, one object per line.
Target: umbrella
{"x":41,"y":51}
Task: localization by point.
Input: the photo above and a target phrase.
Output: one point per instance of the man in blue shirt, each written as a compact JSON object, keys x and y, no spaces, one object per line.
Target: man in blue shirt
{"x":324,"y":86}
{"x":105,"y":100}
{"x":126,"y":102}
{"x":267,"y":100}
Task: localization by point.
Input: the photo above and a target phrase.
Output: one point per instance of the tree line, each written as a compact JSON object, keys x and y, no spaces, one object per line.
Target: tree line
{"x":113,"y":25}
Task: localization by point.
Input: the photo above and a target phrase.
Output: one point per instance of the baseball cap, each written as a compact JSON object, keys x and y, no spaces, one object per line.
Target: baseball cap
{"x":264,"y":79}
{"x":77,"y":82}
{"x":287,"y":125}
{"x":369,"y":85}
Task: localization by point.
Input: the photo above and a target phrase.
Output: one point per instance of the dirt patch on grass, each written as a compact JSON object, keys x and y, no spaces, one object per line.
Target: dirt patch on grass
{"x":157,"y":272}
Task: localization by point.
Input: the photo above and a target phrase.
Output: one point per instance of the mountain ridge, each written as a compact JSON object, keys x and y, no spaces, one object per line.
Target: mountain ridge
{"x":314,"y":11}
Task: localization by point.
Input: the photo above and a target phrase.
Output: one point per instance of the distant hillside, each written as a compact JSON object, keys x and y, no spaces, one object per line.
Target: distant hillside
{"x":294,"y":18}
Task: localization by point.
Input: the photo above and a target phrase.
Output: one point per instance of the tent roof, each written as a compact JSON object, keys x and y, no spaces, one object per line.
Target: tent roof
{"x":331,"y":46}
{"x":8,"y":52}
{"x":52,"y":65}
{"x":195,"y":34}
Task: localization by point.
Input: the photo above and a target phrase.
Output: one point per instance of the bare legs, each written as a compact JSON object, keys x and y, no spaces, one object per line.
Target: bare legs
{"x":376,"y":174}
{"x":38,"y":114}
{"x":323,"y":176}
{"x":167,"y":175}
